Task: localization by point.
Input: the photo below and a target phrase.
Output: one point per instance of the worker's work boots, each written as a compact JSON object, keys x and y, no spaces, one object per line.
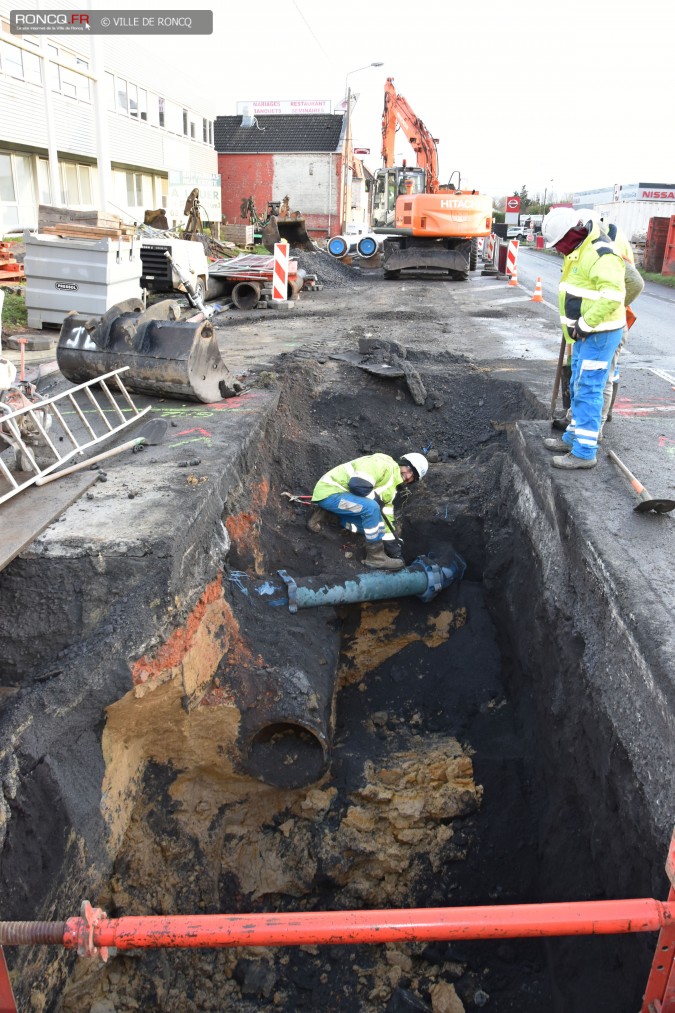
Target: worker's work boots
{"x":377,"y":558}
{"x":569,"y":462}
{"x":317,"y":520}
{"x":558,"y":445}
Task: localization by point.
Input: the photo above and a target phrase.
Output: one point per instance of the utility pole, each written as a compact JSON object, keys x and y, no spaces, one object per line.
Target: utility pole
{"x":346,"y":161}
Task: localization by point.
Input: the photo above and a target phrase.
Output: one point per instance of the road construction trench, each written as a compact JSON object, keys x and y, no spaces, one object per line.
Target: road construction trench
{"x":408,"y":760}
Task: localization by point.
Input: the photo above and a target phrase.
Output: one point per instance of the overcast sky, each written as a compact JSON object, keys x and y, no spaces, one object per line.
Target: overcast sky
{"x":579,"y":93}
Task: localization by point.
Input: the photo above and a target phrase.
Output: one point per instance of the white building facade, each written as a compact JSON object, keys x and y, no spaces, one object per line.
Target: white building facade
{"x":121,"y":102}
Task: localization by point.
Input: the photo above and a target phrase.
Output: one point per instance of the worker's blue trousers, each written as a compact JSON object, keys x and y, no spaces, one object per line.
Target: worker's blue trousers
{"x":591,"y":360}
{"x":356,"y":514}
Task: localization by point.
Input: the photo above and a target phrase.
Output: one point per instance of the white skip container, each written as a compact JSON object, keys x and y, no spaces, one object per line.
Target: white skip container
{"x":86,"y":275}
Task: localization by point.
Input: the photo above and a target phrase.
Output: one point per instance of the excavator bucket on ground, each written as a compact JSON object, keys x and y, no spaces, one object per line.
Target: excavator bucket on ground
{"x":293,"y":230}
{"x":167,"y":356}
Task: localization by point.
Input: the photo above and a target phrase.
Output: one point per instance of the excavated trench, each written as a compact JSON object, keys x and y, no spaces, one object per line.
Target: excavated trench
{"x":389,"y":754}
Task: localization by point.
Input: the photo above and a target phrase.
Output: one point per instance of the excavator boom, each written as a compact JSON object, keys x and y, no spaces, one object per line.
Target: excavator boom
{"x":397,"y":110}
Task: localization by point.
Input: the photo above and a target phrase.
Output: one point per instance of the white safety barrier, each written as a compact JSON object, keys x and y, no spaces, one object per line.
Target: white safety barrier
{"x":280,"y":276}
{"x":512,"y":257}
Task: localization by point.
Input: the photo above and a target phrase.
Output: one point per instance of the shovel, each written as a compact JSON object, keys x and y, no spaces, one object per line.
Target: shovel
{"x":647,"y":503}
{"x":150,"y":434}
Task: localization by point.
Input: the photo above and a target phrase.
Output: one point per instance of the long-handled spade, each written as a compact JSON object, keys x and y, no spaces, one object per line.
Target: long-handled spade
{"x":149,"y":434}
{"x":647,"y":502}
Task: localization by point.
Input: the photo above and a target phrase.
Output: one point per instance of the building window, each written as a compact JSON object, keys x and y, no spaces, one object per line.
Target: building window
{"x":12,"y":60}
{"x":69,"y":81}
{"x":110,"y":90}
{"x":133,"y":101}
{"x":185,"y":122}
{"x":122,"y":96}
{"x":205,"y":132}
{"x":31,"y":68}
{"x":54,"y":69}
{"x":193,"y":130}
{"x":161,"y":111}
{"x":134,"y":189}
{"x":143,"y":104}
{"x":6,"y":180}
{"x":83,"y":92}
{"x":76,"y":184}
{"x":211,"y":132}
{"x":44,"y":187}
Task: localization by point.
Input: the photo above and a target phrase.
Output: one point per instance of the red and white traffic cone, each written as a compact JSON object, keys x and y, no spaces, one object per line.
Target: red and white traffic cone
{"x":513,"y":280}
{"x":537,"y":297}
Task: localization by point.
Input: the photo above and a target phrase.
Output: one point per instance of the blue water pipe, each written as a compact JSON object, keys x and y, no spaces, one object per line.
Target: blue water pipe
{"x":424,"y":578}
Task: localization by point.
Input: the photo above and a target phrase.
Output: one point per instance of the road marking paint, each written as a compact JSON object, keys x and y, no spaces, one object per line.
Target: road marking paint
{"x":662,"y":374}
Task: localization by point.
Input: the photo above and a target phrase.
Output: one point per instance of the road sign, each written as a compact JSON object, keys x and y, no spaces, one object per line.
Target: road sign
{"x":530,"y":237}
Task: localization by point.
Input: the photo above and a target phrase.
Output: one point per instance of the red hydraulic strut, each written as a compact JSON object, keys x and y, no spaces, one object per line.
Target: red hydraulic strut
{"x":94,"y":932}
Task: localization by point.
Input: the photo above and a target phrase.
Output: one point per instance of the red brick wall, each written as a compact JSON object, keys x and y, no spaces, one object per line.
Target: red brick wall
{"x":244,"y":176}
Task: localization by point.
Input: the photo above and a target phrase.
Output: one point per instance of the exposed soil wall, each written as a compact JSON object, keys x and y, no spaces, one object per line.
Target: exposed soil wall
{"x":471,"y":759}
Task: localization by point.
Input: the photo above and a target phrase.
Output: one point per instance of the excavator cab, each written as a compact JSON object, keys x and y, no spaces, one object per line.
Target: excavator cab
{"x":391,"y":184}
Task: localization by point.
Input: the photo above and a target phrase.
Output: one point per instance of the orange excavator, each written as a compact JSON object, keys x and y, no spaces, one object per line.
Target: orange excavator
{"x":428,"y":226}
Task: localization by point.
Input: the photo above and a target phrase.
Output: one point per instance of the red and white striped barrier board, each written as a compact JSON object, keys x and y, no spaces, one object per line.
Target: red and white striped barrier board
{"x":490,"y":248}
{"x":280,"y":277}
{"x":512,"y":256}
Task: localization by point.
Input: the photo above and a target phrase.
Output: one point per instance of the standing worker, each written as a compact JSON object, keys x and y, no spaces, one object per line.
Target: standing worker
{"x":592,"y":313}
{"x":362,"y":493}
{"x":634,"y":287}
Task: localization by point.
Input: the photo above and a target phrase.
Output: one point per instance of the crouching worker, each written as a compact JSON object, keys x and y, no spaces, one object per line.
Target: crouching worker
{"x":362,"y":494}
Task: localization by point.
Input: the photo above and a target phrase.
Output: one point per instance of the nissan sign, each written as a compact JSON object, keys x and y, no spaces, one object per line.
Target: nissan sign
{"x":513,"y":203}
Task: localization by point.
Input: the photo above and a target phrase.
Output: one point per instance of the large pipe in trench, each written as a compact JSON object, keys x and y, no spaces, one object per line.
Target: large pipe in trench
{"x":424,"y":578}
{"x":503,"y":921}
{"x":286,"y":709}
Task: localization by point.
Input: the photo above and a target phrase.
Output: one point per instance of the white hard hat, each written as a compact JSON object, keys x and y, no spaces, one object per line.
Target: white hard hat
{"x":418,"y":463}
{"x":557,"y":224}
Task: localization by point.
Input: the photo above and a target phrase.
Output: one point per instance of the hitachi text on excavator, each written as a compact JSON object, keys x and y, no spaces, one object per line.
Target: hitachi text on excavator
{"x":428,"y":226}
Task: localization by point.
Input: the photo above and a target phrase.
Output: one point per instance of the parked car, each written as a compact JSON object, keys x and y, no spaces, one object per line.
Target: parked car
{"x":516,"y":232}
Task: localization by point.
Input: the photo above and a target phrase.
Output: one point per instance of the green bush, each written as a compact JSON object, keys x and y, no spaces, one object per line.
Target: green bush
{"x":14,"y":313}
{"x":661,"y":279}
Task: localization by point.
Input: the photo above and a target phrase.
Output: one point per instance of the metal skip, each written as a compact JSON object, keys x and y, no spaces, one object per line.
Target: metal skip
{"x":165,"y":355}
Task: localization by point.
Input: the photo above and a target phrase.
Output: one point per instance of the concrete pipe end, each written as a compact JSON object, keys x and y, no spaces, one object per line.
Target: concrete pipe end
{"x":285,"y":754}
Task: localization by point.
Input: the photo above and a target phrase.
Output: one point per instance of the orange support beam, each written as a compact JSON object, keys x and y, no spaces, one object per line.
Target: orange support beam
{"x":92,"y":933}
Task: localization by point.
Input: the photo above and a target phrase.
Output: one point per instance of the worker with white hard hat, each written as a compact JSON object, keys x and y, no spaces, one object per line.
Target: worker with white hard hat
{"x":361,"y":493}
{"x":592,"y":313}
{"x":634,"y":287}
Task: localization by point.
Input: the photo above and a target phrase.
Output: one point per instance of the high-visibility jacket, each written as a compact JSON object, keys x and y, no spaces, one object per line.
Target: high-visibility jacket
{"x":379,"y":477}
{"x":592,"y":287}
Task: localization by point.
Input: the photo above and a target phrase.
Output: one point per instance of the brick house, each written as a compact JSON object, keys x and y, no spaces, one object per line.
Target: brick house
{"x":274,"y":156}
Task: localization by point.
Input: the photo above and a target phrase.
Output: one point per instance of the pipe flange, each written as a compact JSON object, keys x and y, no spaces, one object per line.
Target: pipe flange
{"x":434,"y":578}
{"x":292,"y":590}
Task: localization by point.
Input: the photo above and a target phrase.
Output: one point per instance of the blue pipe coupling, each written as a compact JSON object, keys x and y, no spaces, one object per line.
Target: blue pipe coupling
{"x":424,"y":579}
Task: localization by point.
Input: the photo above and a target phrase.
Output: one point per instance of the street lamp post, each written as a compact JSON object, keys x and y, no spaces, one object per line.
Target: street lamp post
{"x":348,"y":139}
{"x":545,"y":192}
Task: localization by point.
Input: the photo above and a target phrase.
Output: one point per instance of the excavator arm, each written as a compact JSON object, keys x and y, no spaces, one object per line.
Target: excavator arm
{"x":397,"y":111}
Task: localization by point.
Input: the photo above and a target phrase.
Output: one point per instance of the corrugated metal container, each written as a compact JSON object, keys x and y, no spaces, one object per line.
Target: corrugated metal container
{"x":633,"y":216}
{"x":655,"y":247}
{"x":669,"y":255}
{"x":86,"y":275}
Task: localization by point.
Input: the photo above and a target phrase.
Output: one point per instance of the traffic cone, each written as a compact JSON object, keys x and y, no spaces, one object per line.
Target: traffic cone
{"x":513,"y":280}
{"x":537,"y":297}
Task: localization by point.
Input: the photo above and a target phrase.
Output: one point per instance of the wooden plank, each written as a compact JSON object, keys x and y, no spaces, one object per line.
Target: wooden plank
{"x":27,"y":514}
